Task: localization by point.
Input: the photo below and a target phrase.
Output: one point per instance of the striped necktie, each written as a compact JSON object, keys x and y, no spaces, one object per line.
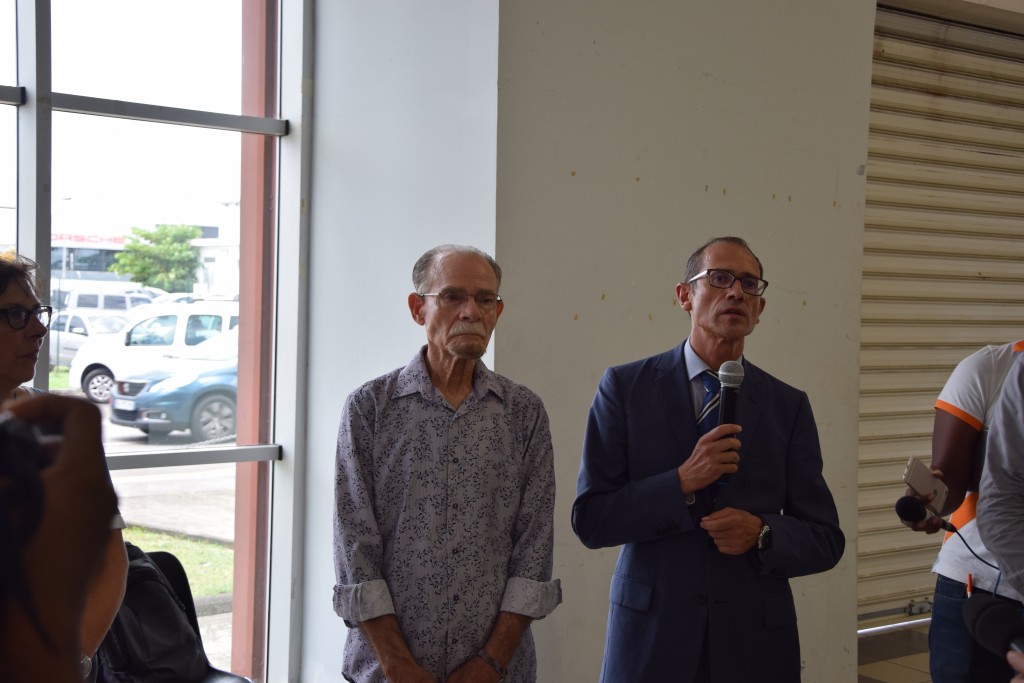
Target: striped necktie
{"x":708,"y":418}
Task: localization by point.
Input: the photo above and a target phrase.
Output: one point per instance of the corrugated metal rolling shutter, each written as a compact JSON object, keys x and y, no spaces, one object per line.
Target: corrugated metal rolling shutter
{"x":943,"y":262}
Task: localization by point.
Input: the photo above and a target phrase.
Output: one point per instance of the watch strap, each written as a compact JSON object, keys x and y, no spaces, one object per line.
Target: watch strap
{"x":492,"y":662}
{"x":764,"y":537}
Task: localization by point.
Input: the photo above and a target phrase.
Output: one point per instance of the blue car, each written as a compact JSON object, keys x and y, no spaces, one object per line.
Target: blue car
{"x":199,"y":397}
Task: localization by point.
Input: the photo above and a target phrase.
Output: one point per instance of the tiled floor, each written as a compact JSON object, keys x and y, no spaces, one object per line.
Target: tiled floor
{"x":896,"y":657}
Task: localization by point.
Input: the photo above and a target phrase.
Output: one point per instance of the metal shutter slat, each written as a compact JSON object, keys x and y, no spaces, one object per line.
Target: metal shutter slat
{"x":943,"y":262}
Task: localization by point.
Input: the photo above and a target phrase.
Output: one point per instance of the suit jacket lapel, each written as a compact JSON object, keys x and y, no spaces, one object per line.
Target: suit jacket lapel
{"x":752,"y":402}
{"x":673,"y":386}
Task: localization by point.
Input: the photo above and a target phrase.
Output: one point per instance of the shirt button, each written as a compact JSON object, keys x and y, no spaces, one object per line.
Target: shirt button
{"x":455,"y":598}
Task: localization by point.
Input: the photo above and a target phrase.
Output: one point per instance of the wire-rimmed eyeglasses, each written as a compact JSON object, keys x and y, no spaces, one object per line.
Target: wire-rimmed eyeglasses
{"x":18,"y":316}
{"x":454,"y":298}
{"x":723,"y":279}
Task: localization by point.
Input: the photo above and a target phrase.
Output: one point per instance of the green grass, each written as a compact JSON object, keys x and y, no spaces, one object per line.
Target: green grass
{"x":58,"y":378}
{"x":209,"y":565}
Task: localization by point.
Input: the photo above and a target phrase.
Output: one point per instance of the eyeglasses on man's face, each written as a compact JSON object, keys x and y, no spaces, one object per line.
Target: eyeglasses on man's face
{"x":723,"y":279}
{"x":454,"y":298}
{"x":18,"y":316}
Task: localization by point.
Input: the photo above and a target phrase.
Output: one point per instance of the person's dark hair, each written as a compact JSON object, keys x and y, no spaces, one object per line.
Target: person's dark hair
{"x":19,"y":270}
{"x":695,"y":263}
{"x":424,"y":268}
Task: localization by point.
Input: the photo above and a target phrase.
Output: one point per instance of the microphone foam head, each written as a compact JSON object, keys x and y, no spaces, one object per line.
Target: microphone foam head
{"x":731,"y":373}
{"x":910,"y":509}
{"x":994,"y":623}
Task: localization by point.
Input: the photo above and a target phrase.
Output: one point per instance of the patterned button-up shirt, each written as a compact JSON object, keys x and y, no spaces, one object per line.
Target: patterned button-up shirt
{"x":443,"y":517}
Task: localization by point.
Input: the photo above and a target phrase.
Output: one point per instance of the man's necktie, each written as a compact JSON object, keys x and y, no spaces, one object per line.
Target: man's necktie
{"x":708,"y":418}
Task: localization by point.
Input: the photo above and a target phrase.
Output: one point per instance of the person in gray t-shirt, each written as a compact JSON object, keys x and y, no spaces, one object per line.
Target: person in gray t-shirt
{"x":1001,"y":509}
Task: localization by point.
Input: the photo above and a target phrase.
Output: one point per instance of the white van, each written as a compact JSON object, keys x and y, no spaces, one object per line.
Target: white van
{"x":156,"y":334}
{"x":110,"y":301}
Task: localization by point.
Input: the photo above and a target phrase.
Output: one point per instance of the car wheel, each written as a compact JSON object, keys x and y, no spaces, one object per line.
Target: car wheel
{"x":97,"y":385}
{"x":213,"y":417}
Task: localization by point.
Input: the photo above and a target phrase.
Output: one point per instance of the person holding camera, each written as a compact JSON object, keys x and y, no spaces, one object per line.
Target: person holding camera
{"x":56,"y":503}
{"x":24,"y":321}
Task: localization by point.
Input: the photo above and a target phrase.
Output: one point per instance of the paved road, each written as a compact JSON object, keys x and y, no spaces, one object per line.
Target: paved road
{"x":196,"y":500}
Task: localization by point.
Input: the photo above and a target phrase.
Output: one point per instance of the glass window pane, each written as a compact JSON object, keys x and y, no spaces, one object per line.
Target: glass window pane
{"x":131,"y":195}
{"x":88,"y":301}
{"x":182,"y":53}
{"x":156,"y":331}
{"x":8,"y":177}
{"x":8,"y":46}
{"x":114,"y":178}
{"x":190,"y":512}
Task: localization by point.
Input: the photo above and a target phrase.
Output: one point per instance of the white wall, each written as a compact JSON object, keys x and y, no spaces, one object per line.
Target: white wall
{"x":405,"y":102}
{"x":627,"y":133}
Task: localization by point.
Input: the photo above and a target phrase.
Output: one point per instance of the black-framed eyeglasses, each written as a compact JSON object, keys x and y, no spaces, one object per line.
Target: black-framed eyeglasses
{"x":18,"y":316}
{"x":723,"y":279}
{"x":453,"y":298}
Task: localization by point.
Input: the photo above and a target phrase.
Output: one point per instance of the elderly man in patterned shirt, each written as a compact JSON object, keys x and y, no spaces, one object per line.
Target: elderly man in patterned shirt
{"x":445,"y":496}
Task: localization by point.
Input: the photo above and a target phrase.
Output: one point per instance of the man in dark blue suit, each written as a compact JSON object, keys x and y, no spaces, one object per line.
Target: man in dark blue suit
{"x":711,"y":526}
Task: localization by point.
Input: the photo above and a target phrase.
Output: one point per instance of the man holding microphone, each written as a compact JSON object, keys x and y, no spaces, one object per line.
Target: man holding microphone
{"x":712,"y":520}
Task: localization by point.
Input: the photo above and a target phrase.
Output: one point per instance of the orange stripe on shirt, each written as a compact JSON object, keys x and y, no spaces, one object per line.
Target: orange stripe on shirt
{"x":967,"y":511}
{"x":956,"y":412}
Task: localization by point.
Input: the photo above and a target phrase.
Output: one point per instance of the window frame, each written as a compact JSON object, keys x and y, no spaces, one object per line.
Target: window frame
{"x":277,"y":648}
{"x":36,"y":102}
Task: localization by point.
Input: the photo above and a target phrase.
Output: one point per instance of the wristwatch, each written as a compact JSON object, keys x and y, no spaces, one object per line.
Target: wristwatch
{"x":764,"y":538}
{"x":85,"y":666}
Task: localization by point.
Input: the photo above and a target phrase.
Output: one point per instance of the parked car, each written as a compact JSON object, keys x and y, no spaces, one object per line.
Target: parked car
{"x":71,"y":329}
{"x":157,"y":335}
{"x":199,"y":397}
{"x":176,"y":298}
{"x":190,"y":298}
{"x":113,"y":301}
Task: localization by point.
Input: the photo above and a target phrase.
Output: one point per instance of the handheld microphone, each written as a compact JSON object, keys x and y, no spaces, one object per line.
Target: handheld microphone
{"x":911,"y":510}
{"x":994,"y":623}
{"x":730,"y":375}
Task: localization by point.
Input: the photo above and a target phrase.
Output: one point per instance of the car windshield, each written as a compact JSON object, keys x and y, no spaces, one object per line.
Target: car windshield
{"x":222,"y":347}
{"x":108,"y":324}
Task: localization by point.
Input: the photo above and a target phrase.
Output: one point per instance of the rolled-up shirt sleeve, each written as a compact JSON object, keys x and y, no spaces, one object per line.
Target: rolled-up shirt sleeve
{"x":361,"y":592}
{"x":534,"y":599}
{"x":361,"y":601}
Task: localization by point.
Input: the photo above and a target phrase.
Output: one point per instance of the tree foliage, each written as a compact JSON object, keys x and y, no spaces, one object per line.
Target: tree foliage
{"x":163,"y":257}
